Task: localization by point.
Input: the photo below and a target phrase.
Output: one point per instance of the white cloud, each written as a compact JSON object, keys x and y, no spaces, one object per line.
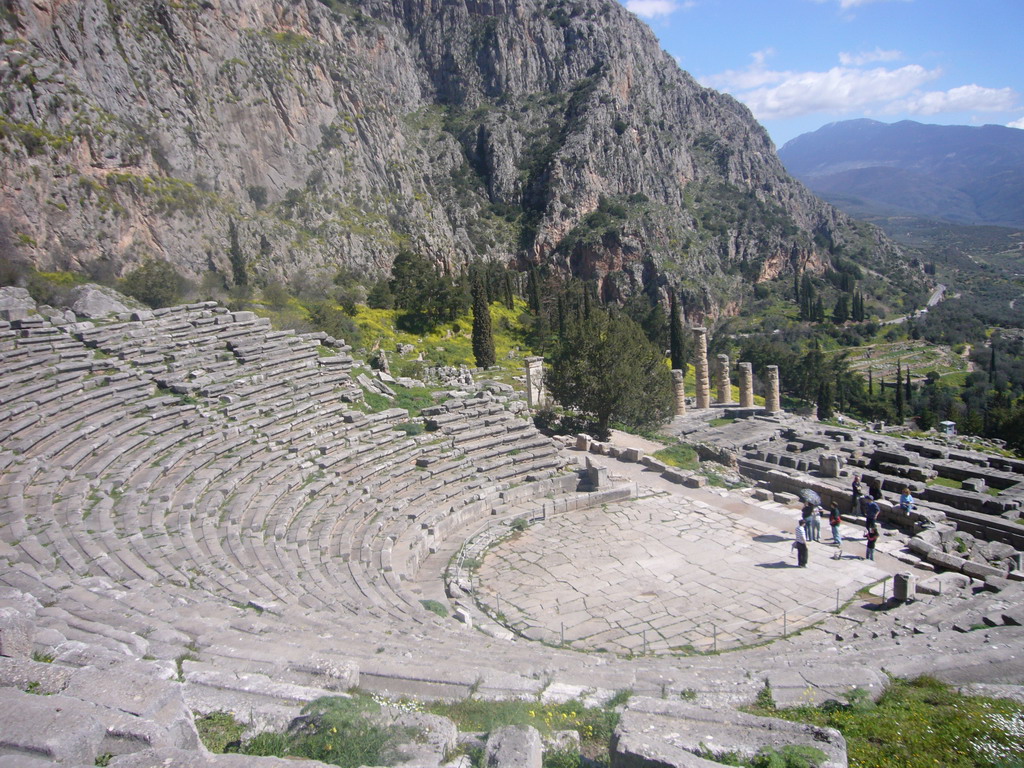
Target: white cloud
{"x":840,"y":89}
{"x":847,"y":4}
{"x":772,"y":94}
{"x":868,"y":57}
{"x":652,"y":8}
{"x":965,"y":98}
{"x":775,"y":94}
{"x":1016,"y":124}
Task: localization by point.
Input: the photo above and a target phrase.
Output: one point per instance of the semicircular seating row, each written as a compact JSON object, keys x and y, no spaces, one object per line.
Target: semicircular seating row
{"x":197,"y":447}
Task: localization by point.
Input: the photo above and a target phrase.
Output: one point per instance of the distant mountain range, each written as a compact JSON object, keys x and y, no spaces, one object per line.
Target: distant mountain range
{"x":956,"y":173}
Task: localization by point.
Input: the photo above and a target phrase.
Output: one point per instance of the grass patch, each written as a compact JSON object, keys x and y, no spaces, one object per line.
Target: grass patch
{"x":593,"y":724}
{"x":679,"y":455}
{"x":945,"y":482}
{"x":219,"y":730}
{"x":921,"y":723}
{"x":789,"y":756}
{"x":721,"y":422}
{"x":342,"y":731}
{"x":435,"y":607}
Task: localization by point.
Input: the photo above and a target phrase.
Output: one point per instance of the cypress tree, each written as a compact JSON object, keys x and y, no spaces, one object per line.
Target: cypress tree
{"x":899,"y":390}
{"x":533,"y":291}
{"x":824,"y":409}
{"x":675,"y":336}
{"x":561,"y":315}
{"x":819,"y":311}
{"x":483,"y":338}
{"x":841,"y":311}
{"x":510,"y":300}
{"x":239,"y":273}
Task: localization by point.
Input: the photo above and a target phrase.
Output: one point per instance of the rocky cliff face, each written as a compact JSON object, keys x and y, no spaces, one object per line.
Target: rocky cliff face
{"x":265,"y":139}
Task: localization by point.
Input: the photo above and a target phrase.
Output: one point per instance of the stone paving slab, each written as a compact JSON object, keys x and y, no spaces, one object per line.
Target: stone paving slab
{"x":664,"y":573}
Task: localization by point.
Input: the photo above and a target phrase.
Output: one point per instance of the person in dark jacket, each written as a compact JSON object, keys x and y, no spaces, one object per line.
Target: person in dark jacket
{"x":872,"y":537}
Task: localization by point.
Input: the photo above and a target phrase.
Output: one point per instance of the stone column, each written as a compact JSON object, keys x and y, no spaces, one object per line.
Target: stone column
{"x":746,"y":385}
{"x":680,"y":390}
{"x":535,"y":395}
{"x":772,"y":403}
{"x":724,"y":385}
{"x":700,"y":336}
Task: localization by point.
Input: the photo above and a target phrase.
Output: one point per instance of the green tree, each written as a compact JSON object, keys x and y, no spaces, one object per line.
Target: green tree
{"x":380,"y":296}
{"x":419,"y":288}
{"x":325,"y":316}
{"x":483,"y":338}
{"x":606,"y":369}
{"x":155,"y":283}
{"x":677,"y":347}
{"x":899,"y":390}
{"x":824,"y":407}
{"x":239,"y":270}
{"x":841,"y":311}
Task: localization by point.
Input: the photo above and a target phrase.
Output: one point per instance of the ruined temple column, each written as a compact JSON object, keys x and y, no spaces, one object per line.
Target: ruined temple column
{"x":535,"y":395}
{"x":746,"y":385}
{"x":772,"y":403}
{"x":724,"y":385}
{"x":680,"y":390}
{"x":700,"y":335}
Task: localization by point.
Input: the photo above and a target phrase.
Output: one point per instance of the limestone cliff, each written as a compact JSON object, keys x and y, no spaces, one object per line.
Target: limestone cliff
{"x":260,"y":139}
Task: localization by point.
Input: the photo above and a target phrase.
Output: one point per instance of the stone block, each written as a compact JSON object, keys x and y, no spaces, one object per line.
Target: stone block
{"x":675,"y":476}
{"x":695,"y":481}
{"x":1014,"y":617}
{"x":659,"y":732}
{"x":830,"y":464}
{"x":652,"y":463}
{"x":332,"y":674}
{"x":947,"y":561}
{"x":783,"y":497}
{"x":57,"y":728}
{"x":975,"y":484}
{"x":514,"y":746}
{"x":597,"y":476}
{"x":16,"y":631}
{"x":997,"y":584}
{"x":920,"y":547}
{"x":630,"y":454}
{"x":904,"y":586}
{"x":981,"y":570}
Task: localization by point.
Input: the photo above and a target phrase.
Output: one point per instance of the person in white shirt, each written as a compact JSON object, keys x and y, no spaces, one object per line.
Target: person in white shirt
{"x":800,"y":545}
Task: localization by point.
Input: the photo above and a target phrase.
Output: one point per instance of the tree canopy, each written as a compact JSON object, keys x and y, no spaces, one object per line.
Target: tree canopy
{"x":154,"y":282}
{"x":604,"y":367}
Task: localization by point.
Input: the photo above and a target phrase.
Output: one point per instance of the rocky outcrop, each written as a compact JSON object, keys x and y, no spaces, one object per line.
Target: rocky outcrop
{"x":264,"y":139}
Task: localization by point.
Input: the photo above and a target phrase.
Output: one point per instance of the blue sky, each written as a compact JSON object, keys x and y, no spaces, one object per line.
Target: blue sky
{"x":799,"y":64}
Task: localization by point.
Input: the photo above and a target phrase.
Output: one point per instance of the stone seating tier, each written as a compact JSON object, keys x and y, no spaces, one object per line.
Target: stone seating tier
{"x":287,"y":555}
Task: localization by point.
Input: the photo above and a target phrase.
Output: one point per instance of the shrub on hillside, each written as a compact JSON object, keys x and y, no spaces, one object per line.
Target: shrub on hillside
{"x":155,"y":283}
